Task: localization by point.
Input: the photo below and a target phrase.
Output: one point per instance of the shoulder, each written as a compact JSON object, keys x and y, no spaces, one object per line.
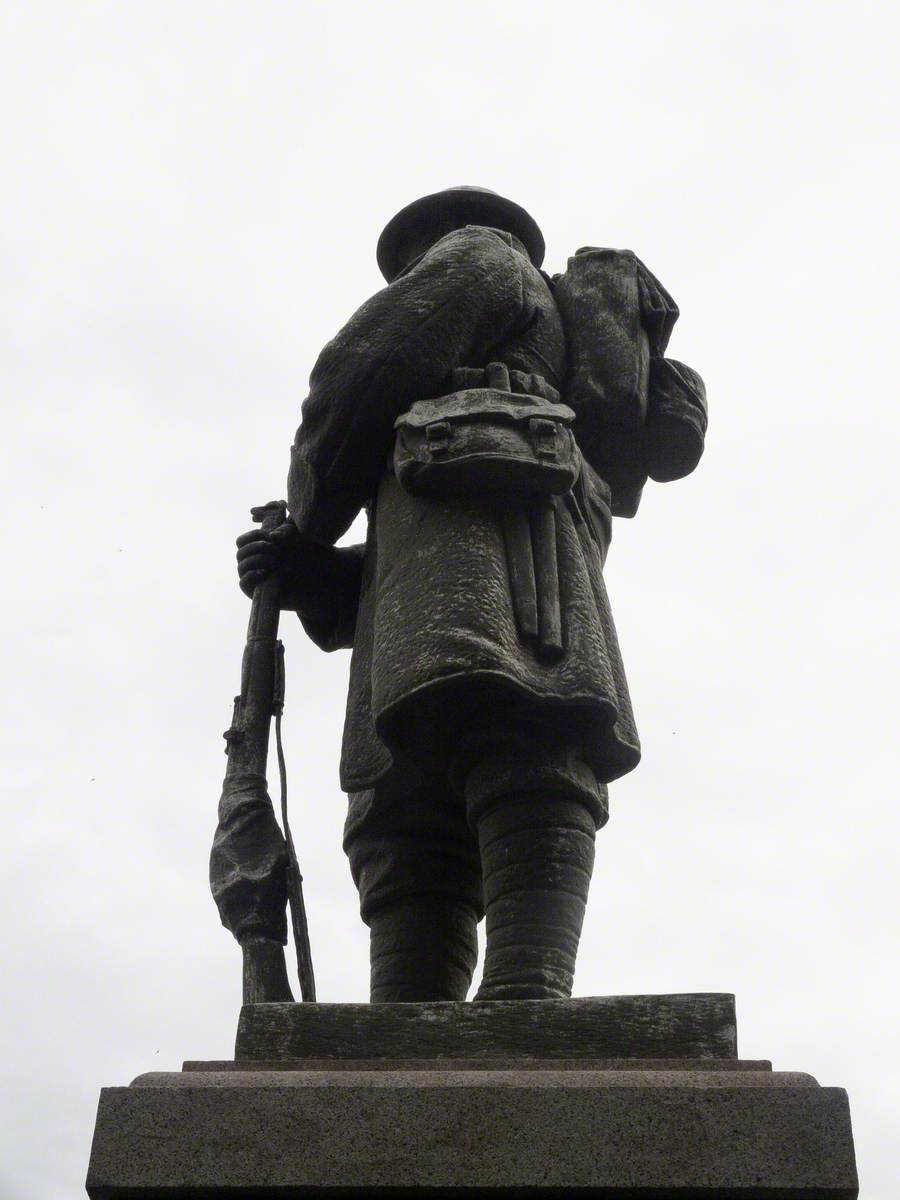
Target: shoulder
{"x":470,"y":246}
{"x":479,"y":237}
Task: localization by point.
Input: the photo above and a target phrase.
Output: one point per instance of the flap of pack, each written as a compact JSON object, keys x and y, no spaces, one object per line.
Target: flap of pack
{"x":483,"y":404}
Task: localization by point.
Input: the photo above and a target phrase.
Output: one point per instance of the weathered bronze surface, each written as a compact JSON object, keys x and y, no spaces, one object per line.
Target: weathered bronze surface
{"x":491,"y":421}
{"x":699,"y":1026}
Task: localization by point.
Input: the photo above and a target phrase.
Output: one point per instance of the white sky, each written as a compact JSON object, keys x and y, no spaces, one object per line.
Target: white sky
{"x":192,"y":195}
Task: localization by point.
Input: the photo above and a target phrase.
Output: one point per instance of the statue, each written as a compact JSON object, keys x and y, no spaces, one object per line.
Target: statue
{"x":491,"y":421}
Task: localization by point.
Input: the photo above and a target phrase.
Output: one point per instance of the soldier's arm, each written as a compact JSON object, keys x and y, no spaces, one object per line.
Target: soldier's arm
{"x":462,"y":297}
{"x":329,"y":616}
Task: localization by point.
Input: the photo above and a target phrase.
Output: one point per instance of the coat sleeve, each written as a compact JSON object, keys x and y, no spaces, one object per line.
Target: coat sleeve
{"x":463,"y":296}
{"x":329,"y":617}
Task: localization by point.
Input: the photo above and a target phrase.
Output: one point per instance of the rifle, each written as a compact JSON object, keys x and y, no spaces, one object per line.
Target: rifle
{"x":252,"y":862}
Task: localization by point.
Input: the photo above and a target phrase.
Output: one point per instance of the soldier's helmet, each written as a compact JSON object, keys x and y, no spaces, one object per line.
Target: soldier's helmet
{"x":462,"y":205}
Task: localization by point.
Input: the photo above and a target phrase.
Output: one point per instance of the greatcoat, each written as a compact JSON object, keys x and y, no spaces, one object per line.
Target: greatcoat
{"x":426,"y":602}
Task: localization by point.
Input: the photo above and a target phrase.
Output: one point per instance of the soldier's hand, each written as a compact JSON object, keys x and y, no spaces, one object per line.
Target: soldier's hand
{"x":260,"y":554}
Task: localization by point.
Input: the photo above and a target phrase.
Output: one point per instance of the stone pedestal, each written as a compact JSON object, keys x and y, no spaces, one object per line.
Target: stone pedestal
{"x":640,"y":1096}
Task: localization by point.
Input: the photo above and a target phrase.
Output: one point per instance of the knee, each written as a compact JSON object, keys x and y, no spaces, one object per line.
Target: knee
{"x":539,"y":779}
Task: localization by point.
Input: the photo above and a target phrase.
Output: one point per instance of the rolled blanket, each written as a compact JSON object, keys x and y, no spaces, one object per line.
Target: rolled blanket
{"x":675,"y":428}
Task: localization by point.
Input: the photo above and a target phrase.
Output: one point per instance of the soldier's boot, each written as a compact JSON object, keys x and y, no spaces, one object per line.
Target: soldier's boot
{"x":537,"y":854}
{"x":422,"y":948}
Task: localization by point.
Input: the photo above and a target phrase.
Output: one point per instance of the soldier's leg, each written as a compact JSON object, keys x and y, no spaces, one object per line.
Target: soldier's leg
{"x":415,"y":862}
{"x":535,"y":807}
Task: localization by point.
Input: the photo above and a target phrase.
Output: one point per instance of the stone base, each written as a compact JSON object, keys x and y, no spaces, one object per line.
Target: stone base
{"x":697,"y":1025}
{"x":479,"y":1119}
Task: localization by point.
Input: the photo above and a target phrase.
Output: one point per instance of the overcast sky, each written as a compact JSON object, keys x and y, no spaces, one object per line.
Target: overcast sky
{"x":192,"y":195}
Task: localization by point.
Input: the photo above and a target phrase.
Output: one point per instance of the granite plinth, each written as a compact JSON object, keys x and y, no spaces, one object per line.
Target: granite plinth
{"x":462,"y":1125}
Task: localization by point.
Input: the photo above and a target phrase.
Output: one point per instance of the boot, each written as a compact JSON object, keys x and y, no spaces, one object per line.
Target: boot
{"x":537,"y":855}
{"x":423,"y":948}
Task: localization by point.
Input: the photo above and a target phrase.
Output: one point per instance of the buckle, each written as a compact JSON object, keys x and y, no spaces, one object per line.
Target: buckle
{"x":437,"y":436}
{"x":543,"y":437}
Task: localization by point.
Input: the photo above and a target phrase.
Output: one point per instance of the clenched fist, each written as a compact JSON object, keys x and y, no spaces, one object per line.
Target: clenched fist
{"x":319,"y":583}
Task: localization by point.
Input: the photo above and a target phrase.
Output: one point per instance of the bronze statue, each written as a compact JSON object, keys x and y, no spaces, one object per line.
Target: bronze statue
{"x":491,"y":421}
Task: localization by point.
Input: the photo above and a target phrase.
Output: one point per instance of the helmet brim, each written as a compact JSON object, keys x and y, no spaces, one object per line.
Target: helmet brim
{"x":471,"y":206}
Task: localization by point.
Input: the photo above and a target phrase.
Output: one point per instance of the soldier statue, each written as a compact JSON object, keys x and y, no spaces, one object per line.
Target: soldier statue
{"x":490,"y":420}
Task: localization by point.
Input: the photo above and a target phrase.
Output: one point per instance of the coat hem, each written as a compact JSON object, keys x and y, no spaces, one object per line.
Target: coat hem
{"x":593,"y":709}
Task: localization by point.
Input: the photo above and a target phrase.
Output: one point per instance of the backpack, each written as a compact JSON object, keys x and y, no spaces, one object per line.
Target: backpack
{"x":638,"y":414}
